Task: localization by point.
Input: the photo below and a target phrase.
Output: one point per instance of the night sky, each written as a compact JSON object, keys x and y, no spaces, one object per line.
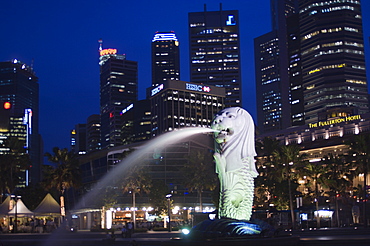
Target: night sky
{"x":61,"y":38}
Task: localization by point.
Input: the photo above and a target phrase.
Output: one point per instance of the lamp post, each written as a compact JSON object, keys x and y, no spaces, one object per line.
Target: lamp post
{"x":168,"y":196}
{"x":16,"y":198}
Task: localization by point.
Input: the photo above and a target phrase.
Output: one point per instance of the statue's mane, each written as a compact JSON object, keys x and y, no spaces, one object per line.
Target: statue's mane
{"x":243,"y":141}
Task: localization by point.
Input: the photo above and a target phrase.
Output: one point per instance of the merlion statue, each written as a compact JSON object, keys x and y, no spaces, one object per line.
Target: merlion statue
{"x":234,"y":157}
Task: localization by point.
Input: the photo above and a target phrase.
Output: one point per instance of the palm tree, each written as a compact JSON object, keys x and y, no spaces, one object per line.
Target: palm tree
{"x":157,"y":196}
{"x":65,"y":175}
{"x":136,"y":182}
{"x":286,"y":158}
{"x":360,"y":151}
{"x":270,"y":189}
{"x":316,"y":172}
{"x":199,"y":174}
{"x":338,"y":177}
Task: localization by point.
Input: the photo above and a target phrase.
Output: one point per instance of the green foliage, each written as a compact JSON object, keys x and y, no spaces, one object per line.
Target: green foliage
{"x":199,"y":173}
{"x":157,"y":196}
{"x":65,"y":174}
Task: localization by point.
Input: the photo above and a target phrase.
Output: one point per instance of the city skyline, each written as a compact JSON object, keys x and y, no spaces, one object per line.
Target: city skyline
{"x":61,"y":40}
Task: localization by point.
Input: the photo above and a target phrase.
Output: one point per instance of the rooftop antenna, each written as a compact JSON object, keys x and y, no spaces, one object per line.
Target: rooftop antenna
{"x":100,"y":44}
{"x":32,"y":61}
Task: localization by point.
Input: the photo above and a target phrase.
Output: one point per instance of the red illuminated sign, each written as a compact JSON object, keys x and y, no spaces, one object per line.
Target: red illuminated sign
{"x":108,"y":52}
{"x":7,"y":105}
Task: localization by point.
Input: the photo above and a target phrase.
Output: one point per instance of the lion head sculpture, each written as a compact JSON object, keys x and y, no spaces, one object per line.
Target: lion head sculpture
{"x":234,"y":136}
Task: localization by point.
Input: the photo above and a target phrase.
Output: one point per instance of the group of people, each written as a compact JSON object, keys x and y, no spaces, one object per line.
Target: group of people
{"x":33,"y":225}
{"x":127,"y":230}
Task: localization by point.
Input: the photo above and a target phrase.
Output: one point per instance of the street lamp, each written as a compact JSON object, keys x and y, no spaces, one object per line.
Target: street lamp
{"x":168,"y":196}
{"x":16,"y":198}
{"x":133,"y":211}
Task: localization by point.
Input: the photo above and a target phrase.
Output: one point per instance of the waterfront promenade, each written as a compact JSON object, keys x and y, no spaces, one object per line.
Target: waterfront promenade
{"x":331,"y":236}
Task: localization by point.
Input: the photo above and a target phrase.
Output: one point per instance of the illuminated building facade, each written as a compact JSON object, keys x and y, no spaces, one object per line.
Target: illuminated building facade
{"x":333,"y":62}
{"x":311,"y":67}
{"x":177,"y":104}
{"x":93,"y":141}
{"x":136,"y":120}
{"x":78,"y":139}
{"x":214,"y":48}
{"x":272,"y":75}
{"x":118,"y":89}
{"x":19,"y":89}
{"x":165,"y":57}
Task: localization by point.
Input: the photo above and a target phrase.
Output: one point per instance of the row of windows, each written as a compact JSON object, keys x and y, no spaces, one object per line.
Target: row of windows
{"x":217,"y":40}
{"x":331,"y":30}
{"x":326,"y":3}
{"x":213,"y":60}
{"x":327,"y":10}
{"x":207,"y":69}
{"x":327,"y":67}
{"x":345,"y":95}
{"x":347,"y":88}
{"x":329,"y":52}
{"x":337,"y":43}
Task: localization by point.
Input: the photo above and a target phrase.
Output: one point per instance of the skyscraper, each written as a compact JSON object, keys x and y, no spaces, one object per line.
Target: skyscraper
{"x":118,"y":89}
{"x":19,"y":87}
{"x":271,"y":69}
{"x":312,"y":67}
{"x":177,"y":104}
{"x":78,"y":139}
{"x":93,"y":140}
{"x":333,"y":62}
{"x":165,"y":57}
{"x":214,"y":49}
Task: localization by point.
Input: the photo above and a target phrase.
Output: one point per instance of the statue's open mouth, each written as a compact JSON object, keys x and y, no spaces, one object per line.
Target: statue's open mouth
{"x":225,"y":132}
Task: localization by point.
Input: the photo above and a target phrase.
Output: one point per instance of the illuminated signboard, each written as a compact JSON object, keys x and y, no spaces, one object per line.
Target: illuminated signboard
{"x":7,"y":105}
{"x":127,"y":109}
{"x":230,"y":21}
{"x":108,"y":52}
{"x":194,"y":87}
{"x":164,"y":36}
{"x":157,"y":89}
{"x":334,"y":121}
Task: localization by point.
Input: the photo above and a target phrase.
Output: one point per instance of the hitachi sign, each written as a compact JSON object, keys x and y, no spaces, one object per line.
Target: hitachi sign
{"x":108,"y":52}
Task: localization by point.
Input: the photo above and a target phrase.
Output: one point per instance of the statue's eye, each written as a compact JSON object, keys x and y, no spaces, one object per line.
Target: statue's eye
{"x":231,"y":116}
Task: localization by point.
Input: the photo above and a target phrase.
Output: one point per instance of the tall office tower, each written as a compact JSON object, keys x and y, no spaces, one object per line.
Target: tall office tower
{"x":214,"y":47}
{"x":118,"y":89}
{"x":136,"y":120}
{"x":93,"y":140}
{"x":165,"y":58}
{"x":19,"y":87}
{"x":271,"y":69}
{"x":177,"y":104}
{"x":78,"y":139}
{"x":333,"y":63}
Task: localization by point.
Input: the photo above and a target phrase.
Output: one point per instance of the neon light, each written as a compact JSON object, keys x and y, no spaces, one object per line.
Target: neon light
{"x":230,"y":21}
{"x":164,"y":36}
{"x":108,"y":52}
{"x":194,"y":87}
{"x":157,"y":89}
{"x":7,"y":105}
{"x":334,"y":121}
{"x":27,"y":120}
{"x":127,"y":109}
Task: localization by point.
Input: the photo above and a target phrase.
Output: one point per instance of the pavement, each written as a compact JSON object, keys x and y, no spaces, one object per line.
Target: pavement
{"x":324,"y":236}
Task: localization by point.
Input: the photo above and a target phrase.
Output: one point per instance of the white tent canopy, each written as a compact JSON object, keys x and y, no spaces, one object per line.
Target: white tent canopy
{"x":4,"y":207}
{"x":48,"y":206}
{"x":22,"y":210}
